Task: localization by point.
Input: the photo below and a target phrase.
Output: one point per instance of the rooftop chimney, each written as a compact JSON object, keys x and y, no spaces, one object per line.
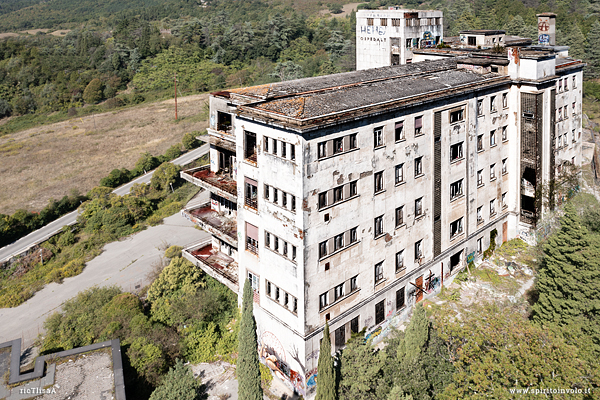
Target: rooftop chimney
{"x":546,"y":29}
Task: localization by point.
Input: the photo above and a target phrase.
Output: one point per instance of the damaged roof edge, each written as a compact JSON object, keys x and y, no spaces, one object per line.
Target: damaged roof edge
{"x":309,"y":124}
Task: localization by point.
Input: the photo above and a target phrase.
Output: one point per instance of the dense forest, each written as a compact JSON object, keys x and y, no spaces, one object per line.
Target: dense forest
{"x":120,"y":53}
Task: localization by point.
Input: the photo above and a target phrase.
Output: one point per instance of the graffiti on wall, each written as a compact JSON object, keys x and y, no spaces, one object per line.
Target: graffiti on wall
{"x":372,"y":30}
{"x":311,"y":381}
{"x":273,"y":355}
{"x":544,"y":39}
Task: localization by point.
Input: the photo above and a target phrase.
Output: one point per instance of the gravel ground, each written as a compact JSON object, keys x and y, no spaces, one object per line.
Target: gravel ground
{"x":88,"y":377}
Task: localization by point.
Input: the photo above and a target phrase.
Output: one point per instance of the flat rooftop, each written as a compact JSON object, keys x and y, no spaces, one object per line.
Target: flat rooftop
{"x":309,"y":103}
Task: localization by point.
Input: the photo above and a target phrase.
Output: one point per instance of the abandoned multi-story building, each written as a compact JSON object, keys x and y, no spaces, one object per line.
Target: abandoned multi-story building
{"x":346,"y":198}
{"x":387,"y":37}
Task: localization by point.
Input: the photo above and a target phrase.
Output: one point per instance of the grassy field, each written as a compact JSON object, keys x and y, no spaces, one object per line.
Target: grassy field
{"x":51,"y":160}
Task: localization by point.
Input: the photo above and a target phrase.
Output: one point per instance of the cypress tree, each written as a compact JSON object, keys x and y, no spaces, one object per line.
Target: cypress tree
{"x":325,"y":370}
{"x":248,"y":367}
{"x":592,"y":51}
{"x":563,"y":282}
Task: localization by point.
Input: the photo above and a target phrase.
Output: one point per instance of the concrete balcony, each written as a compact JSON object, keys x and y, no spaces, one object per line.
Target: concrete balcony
{"x":215,"y":263}
{"x":220,"y":183}
{"x":217,"y":224}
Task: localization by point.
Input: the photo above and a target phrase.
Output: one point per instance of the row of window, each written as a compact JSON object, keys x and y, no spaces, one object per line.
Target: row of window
{"x":408,"y":21}
{"x":503,"y":202}
{"x":279,"y":197}
{"x":398,"y":217}
{"x":338,"y":194}
{"x":563,"y":84}
{"x":493,"y":143}
{"x":338,"y":292}
{"x":280,"y":246}
{"x":282,"y":297}
{"x":399,"y":262}
{"x":337,"y":146}
{"x":562,"y":140}
{"x":279,"y":148}
{"x":493,"y":105}
{"x":338,"y":242}
{"x":492,"y":172}
{"x":563,"y":112}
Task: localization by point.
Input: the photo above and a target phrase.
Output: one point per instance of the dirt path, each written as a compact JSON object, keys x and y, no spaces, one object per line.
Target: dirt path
{"x":48,"y":161}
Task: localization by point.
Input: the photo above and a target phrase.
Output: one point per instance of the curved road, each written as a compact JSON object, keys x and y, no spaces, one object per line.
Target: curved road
{"x":52,"y":228}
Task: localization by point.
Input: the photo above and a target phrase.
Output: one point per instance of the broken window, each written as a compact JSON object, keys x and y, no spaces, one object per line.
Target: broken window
{"x":471,"y":40}
{"x":418,"y":126}
{"x":322,"y":149}
{"x":480,"y":142}
{"x":378,"y":226}
{"x":275,"y":196}
{"x":479,"y":214}
{"x":504,"y":204}
{"x":292,"y":152}
{"x":254,"y":281}
{"x":504,"y":100}
{"x":322,"y":249}
{"x":353,"y":283}
{"x":399,"y":131}
{"x":408,"y":42}
{"x":400,"y":261}
{"x":399,"y":216}
{"x":251,"y":193}
{"x":418,"y":206}
{"x":338,"y":194}
{"x":380,"y":312}
{"x":250,"y":146}
{"x":400,"y":299}
{"x":284,"y":199}
{"x":504,"y":166}
{"x":274,"y":149}
{"x":294,"y":253}
{"x":293,"y":203}
{"x":574,"y":81}
{"x":352,"y":143}
{"x":224,"y":122}
{"x":354,"y":325}
{"x":378,"y":178}
{"x":267,"y":192}
{"x":418,"y":166}
{"x":378,"y":136}
{"x":340,"y":337}
{"x":378,"y":272}
{"x":276,"y":244}
{"x":479,"y":245}
{"x":284,"y":149}
{"x":322,"y":199}
{"x":456,"y":152}
{"x":418,"y":249}
{"x":338,"y":292}
{"x":480,"y":177}
{"x":504,"y":133}
{"x":323,"y":300}
{"x":456,"y":116}
{"x":338,"y":242}
{"x":493,"y":138}
{"x":267,"y":239}
{"x":338,"y":145}
{"x":493,"y":207}
{"x":480,"y":107}
{"x":492,"y":172}
{"x":455,"y":261}
{"x":493,"y":104}
{"x":353,"y":189}
{"x":399,"y":173}
{"x":353,"y":235}
{"x":456,"y":189}
{"x":266,"y":141}
{"x":456,"y":227}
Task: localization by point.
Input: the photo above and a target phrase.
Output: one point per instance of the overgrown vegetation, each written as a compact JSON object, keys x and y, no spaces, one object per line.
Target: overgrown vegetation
{"x":151,"y":342}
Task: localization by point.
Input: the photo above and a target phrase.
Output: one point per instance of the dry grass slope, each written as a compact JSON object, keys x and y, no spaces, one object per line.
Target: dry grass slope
{"x":48,"y":161}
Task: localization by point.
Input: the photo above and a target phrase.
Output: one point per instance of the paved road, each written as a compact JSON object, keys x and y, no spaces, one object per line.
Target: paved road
{"x":52,"y":228}
{"x":125,"y":263}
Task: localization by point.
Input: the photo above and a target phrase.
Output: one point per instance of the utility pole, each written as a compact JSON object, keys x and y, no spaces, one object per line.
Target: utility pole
{"x":175,"y":81}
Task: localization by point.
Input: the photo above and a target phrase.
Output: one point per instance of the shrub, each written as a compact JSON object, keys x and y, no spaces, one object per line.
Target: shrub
{"x":93,"y":91}
{"x":114,"y":102}
{"x":173,"y":251}
{"x":173,"y":152}
{"x":146,"y":162}
{"x":201,"y":345}
{"x":147,"y":358}
{"x":189,"y":141}
{"x":5,"y":108}
{"x":178,"y":384}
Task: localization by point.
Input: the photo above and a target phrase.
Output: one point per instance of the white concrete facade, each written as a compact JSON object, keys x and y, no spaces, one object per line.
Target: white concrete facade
{"x":387,"y":37}
{"x":370,"y":181}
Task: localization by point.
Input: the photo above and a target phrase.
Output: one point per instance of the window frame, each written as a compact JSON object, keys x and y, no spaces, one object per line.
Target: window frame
{"x":418,"y":207}
{"x":456,"y":189}
{"x":400,"y":265}
{"x":456,"y":228}
{"x":378,"y":137}
{"x":378,"y":270}
{"x":378,"y":226}
{"x":399,"y":216}
{"x":457,"y":150}
{"x":378,"y":182}
{"x":480,"y":143}
{"x":419,"y":167}
{"x":399,"y":174}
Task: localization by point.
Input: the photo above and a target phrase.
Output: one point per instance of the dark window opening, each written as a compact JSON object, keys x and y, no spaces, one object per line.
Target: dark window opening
{"x":322,"y":249}
{"x":340,"y":336}
{"x":378,"y":181}
{"x":456,"y":116}
{"x":400,"y":300}
{"x":379,"y":226}
{"x":418,"y":166}
{"x":456,"y":227}
{"x":456,"y":151}
{"x":338,"y":145}
{"x":251,"y":195}
{"x":471,"y":40}
{"x":352,"y":141}
{"x":378,"y":272}
{"x":399,"y":131}
{"x":354,"y":325}
{"x":224,"y":122}
{"x":456,"y":189}
{"x":250,"y":146}
{"x":455,"y":261}
{"x":379,"y":312}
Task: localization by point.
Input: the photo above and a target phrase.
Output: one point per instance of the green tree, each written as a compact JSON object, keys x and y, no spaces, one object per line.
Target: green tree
{"x":5,"y":108}
{"x":496,"y":348}
{"x":178,"y":384}
{"x":361,"y":371}
{"x":189,"y":141}
{"x":164,"y":176}
{"x":592,"y":51}
{"x":576,"y":40}
{"x":146,"y":162}
{"x":93,"y":91}
{"x":325,"y":370}
{"x":248,"y":364}
{"x":422,"y":369}
{"x":563,"y":278}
